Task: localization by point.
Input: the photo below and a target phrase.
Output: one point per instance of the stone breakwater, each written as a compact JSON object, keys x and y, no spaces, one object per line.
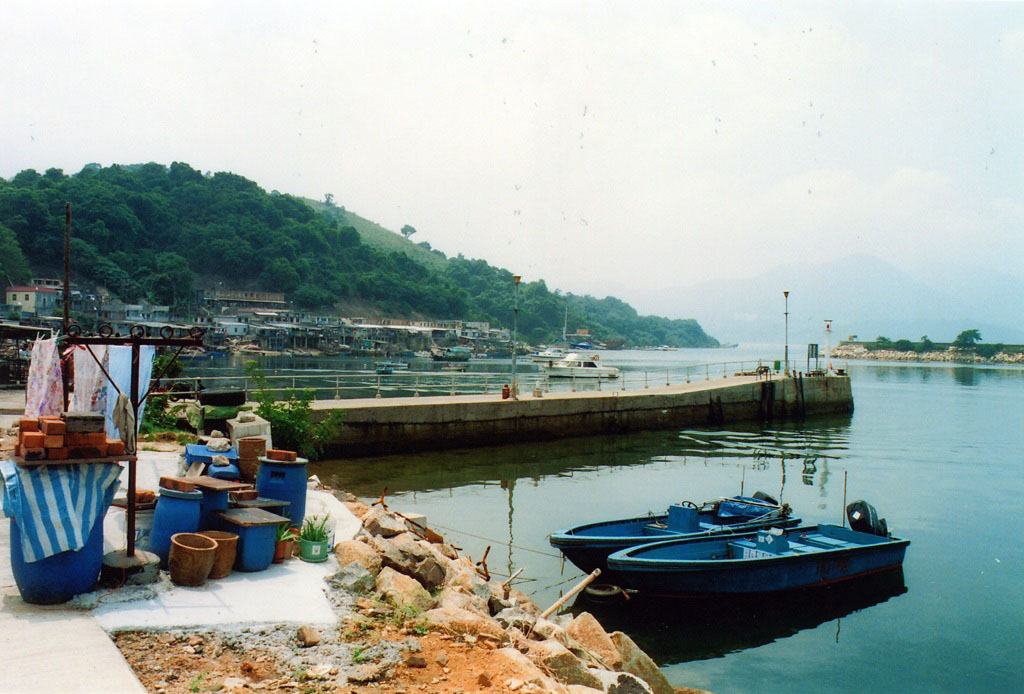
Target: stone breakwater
{"x":440,"y":590}
{"x":951,"y":355}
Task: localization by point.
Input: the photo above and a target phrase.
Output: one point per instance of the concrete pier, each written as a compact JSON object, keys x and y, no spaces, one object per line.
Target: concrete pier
{"x":379,"y":426}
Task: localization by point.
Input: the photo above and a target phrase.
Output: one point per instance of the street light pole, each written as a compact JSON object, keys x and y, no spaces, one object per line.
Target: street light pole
{"x":786,"y":363}
{"x":515,"y":325}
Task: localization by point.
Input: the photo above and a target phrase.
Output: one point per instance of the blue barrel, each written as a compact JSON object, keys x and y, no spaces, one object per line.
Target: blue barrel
{"x":60,"y":577}
{"x":284,"y":480}
{"x":214,"y":500}
{"x":176,"y":512}
{"x":255,"y":547}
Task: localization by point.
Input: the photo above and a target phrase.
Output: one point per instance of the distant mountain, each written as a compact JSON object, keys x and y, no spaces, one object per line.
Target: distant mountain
{"x":863,"y":295}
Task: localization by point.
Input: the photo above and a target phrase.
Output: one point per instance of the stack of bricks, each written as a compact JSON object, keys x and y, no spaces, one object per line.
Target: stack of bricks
{"x":49,"y":438}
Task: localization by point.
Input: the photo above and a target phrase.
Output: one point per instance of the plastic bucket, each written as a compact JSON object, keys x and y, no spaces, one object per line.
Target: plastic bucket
{"x":60,"y":577}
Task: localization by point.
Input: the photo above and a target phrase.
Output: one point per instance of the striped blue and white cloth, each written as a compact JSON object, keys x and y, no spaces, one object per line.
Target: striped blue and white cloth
{"x":55,"y":506}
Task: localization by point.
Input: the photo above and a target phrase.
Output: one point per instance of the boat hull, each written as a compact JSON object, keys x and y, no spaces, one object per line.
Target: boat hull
{"x":653,"y":570}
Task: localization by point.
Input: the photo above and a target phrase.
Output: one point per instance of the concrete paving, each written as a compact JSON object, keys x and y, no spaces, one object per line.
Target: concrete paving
{"x":12,"y":401}
{"x":60,"y":648}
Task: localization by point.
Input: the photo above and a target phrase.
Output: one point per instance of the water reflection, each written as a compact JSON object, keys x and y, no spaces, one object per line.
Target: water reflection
{"x":714,"y":628}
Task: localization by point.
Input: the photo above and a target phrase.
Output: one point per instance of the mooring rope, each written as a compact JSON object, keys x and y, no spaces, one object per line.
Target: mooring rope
{"x":497,"y":542}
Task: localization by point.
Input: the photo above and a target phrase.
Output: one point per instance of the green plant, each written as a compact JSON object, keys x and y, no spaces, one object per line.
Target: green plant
{"x":291,"y":418}
{"x":193,"y":685}
{"x":158,"y":415}
{"x":284,"y":533}
{"x":358,"y":656}
{"x":314,"y":529}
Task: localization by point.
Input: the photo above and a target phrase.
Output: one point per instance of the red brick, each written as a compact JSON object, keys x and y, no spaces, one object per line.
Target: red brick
{"x":278,"y":454}
{"x":87,"y":451}
{"x":26,"y":425}
{"x":57,"y":453}
{"x":33,"y":439}
{"x":76,"y":439}
{"x":53,"y":441}
{"x":34,"y":453}
{"x":96,"y":438}
{"x":115,"y":447}
{"x":52,"y":427}
{"x":177,"y":484}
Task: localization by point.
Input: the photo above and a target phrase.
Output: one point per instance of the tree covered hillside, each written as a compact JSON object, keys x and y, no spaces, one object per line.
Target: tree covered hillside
{"x":157,"y":232}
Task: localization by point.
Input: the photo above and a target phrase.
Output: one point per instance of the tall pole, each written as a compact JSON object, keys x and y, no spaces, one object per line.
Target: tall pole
{"x":65,"y":372}
{"x":786,"y":362}
{"x":828,"y":345}
{"x":515,"y":325}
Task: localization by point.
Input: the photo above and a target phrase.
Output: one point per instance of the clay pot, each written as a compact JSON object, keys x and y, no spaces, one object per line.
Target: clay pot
{"x":224,"y":558}
{"x":191,"y":558}
{"x":248,"y":469}
{"x":252,"y":447}
{"x":283,"y":550}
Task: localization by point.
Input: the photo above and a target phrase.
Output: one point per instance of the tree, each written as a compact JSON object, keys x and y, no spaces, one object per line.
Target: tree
{"x":903,"y":346}
{"x":925,"y":345}
{"x":408,"y":231}
{"x":882,"y":343}
{"x":12,"y":260}
{"x":329,"y":199}
{"x":967,"y":339}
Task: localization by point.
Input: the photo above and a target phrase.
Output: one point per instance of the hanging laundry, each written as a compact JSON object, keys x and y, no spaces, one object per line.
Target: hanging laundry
{"x":120,"y":369}
{"x":90,"y":393}
{"x":44,"y":394}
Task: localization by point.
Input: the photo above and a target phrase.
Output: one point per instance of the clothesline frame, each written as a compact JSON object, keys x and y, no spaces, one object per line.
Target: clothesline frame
{"x":195,"y":339}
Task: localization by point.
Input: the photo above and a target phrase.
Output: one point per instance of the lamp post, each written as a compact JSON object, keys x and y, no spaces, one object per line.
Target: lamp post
{"x":515,"y":325}
{"x":786,"y":362}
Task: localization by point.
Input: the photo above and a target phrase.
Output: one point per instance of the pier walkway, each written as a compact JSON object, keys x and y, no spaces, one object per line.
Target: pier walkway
{"x":383,"y":425}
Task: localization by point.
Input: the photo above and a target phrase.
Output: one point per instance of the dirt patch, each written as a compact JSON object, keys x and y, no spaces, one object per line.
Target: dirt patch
{"x":182,"y":662}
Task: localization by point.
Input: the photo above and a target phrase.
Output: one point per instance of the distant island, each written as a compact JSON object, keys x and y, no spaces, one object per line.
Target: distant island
{"x":967,"y":348}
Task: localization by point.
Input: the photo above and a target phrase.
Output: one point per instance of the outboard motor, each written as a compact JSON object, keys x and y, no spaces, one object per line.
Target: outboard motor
{"x":761,"y":496}
{"x":864,"y":518}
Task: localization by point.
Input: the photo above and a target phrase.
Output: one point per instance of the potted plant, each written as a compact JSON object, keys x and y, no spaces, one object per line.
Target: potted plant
{"x":284,"y":543}
{"x":314,"y":539}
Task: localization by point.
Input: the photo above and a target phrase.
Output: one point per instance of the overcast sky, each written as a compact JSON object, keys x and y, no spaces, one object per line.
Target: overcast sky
{"x":603,"y":146}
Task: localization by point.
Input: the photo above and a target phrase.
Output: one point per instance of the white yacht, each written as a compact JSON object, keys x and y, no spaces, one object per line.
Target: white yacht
{"x":551,"y":354}
{"x":575,"y":366}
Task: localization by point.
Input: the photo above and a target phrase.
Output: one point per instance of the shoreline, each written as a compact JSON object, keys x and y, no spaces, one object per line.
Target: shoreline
{"x":948,"y":356}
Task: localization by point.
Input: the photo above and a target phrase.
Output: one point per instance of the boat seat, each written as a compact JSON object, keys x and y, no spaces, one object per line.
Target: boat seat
{"x":823,"y":542}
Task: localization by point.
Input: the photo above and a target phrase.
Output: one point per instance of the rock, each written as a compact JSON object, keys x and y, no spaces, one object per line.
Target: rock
{"x":546,"y":630}
{"x":580,"y":689}
{"x":524,"y":601}
{"x":366,"y":672}
{"x":622,"y":683}
{"x":195,"y":640}
{"x":637,"y":662}
{"x":513,"y":616}
{"x":345,"y":497}
{"x":448,"y":551}
{"x":319,"y":672}
{"x":377,"y":521}
{"x":441,"y":659}
{"x":457,"y":621}
{"x":483,"y":680}
{"x":524,"y":671}
{"x":308,"y":636}
{"x":429,"y":572}
{"x":417,"y":661}
{"x":354,"y":578}
{"x":563,"y":665}
{"x":454,"y":597}
{"x":414,"y":549}
{"x":402,"y":591}
{"x":234,"y":684}
{"x":349,"y":551}
{"x":589,"y":633}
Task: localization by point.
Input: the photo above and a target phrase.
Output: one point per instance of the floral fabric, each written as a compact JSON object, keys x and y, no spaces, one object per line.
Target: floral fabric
{"x":44,"y":394}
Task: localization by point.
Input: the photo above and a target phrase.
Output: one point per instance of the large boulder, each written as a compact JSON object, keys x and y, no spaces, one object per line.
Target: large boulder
{"x":354,"y":577}
{"x":454,"y":597}
{"x":524,"y":601}
{"x":377,"y":521}
{"x":622,"y":683}
{"x":589,"y":633}
{"x":511,"y":660}
{"x":402,"y":591}
{"x":457,"y":621}
{"x":349,"y":551}
{"x":513,"y":616}
{"x":429,"y":572}
{"x":563,"y":665}
{"x":637,"y":662}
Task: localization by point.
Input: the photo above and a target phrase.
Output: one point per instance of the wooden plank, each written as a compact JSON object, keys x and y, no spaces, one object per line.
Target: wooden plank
{"x":21,"y":462}
{"x":263,"y":502}
{"x":248,"y":517}
{"x":214,"y":484}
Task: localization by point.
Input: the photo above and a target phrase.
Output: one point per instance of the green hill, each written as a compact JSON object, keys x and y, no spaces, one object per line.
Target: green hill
{"x":161,"y":232}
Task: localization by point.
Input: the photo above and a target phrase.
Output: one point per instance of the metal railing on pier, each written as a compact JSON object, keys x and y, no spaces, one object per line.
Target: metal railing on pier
{"x":350,"y":384}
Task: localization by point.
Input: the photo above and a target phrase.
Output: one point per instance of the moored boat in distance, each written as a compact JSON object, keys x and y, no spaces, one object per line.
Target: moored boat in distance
{"x":587,"y":546}
{"x":575,"y":366}
{"x":764,"y":561}
{"x":451,"y":354}
{"x":551,"y":354}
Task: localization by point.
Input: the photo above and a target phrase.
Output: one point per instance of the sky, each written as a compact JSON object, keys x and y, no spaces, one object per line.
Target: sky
{"x":607,"y":147}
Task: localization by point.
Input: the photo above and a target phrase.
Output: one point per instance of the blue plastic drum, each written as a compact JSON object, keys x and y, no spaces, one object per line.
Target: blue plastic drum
{"x":176,"y":512}
{"x":58,"y":578}
{"x":280,"y":479}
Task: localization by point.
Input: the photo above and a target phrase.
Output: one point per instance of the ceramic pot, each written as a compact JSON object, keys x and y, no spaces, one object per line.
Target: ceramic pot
{"x":191,"y":558}
{"x":227,"y":546}
{"x":283,"y":550}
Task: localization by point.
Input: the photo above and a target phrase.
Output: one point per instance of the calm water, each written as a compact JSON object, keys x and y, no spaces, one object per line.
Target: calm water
{"x":937,"y":449}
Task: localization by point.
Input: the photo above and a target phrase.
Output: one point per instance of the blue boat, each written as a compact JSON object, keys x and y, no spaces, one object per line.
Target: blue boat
{"x":588,"y":546}
{"x":764,"y":561}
